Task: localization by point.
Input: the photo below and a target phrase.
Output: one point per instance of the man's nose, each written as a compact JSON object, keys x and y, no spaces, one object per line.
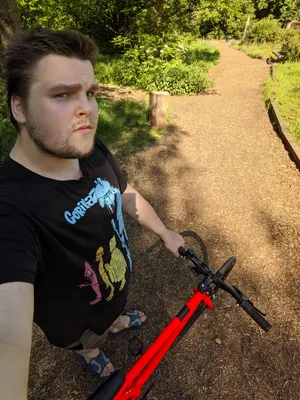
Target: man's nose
{"x":84,"y":106}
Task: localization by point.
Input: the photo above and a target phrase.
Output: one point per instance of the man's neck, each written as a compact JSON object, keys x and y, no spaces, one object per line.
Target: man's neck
{"x":31,"y":157}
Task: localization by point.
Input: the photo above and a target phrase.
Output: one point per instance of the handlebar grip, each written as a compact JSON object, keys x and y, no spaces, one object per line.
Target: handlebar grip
{"x":182,"y":251}
{"x":109,"y":389}
{"x":255,"y":315}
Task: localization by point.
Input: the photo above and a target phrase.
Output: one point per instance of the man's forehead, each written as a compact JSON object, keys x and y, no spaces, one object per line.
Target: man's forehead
{"x":55,"y":69}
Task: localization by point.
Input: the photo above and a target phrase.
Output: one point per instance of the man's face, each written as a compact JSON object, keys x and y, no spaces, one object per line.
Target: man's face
{"x":61,"y":110}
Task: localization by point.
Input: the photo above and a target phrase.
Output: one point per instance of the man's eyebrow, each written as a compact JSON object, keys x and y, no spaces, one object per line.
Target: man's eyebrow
{"x":72,"y":88}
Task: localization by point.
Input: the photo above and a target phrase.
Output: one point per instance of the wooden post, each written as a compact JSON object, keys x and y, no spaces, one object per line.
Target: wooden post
{"x":246,"y":27}
{"x":158,"y":104}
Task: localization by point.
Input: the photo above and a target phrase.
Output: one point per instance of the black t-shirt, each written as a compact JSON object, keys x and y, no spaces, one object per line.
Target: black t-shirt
{"x":68,"y":239}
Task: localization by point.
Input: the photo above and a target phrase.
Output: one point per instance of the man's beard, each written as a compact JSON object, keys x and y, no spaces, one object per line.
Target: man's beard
{"x":61,"y":149}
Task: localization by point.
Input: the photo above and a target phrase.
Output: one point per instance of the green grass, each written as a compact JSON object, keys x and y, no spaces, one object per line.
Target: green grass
{"x":200,"y":51}
{"x":257,"y":50}
{"x":123,"y":126}
{"x":287,"y":95}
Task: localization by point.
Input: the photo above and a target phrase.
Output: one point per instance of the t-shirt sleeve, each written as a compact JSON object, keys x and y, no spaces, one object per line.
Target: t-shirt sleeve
{"x":18,"y":247}
{"x":115,"y":166}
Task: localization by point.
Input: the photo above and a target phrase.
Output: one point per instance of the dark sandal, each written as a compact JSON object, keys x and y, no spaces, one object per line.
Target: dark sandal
{"x":134,"y":323}
{"x":97,"y":365}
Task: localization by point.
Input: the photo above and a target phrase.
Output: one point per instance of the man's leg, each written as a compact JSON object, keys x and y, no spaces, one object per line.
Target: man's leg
{"x":90,"y":354}
{"x":92,"y":343}
{"x":91,"y":349}
{"x":123,"y":321}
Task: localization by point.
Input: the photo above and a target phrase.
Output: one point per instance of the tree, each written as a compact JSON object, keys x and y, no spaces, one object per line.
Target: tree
{"x":9,"y":23}
{"x":224,"y":16}
{"x":283,"y":10}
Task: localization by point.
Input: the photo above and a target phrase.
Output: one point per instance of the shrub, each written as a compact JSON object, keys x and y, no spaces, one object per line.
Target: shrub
{"x":173,"y":67}
{"x":264,"y":30}
{"x":179,"y":78}
{"x":104,"y":68}
{"x":292,"y":40}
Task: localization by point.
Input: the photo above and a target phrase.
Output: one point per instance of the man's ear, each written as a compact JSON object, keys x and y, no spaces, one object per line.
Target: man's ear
{"x":17,"y":109}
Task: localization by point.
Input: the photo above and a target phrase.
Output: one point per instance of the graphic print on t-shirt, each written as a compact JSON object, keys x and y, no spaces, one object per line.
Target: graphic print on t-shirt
{"x":108,"y":197}
{"x":113,"y":272}
{"x":92,"y":277}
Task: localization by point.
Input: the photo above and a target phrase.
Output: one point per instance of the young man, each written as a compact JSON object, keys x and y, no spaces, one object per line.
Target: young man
{"x":65,"y":261}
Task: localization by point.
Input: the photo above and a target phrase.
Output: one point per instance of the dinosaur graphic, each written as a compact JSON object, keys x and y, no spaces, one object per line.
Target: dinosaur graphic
{"x":115,"y":271}
{"x":102,"y":272}
{"x":92,"y":277}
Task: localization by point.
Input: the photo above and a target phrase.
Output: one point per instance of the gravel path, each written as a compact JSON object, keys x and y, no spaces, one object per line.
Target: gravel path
{"x":223,"y":173}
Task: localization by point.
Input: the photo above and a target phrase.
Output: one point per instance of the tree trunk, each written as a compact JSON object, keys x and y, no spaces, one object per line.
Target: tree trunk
{"x":9,"y":23}
{"x":158,"y":104}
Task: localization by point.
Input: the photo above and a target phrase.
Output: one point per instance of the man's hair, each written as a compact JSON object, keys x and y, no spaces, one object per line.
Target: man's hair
{"x":28,"y":47}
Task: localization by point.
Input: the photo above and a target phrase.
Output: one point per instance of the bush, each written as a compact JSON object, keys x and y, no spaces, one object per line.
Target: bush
{"x":264,"y":30}
{"x":215,"y":33}
{"x":179,"y":78}
{"x":176,"y":68}
{"x":104,"y":68}
{"x":292,"y":40}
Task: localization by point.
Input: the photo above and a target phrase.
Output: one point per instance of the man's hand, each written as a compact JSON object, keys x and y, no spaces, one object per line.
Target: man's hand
{"x":172,"y":241}
{"x":141,"y":211}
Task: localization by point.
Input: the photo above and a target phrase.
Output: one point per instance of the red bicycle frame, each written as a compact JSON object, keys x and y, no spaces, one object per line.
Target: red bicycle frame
{"x":129,"y":387}
{"x":140,"y":372}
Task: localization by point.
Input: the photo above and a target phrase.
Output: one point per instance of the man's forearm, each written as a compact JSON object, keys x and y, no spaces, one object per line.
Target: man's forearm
{"x":141,"y":211}
{"x":14,"y":363}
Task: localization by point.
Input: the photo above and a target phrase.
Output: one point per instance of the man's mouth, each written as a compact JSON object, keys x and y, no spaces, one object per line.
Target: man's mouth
{"x":86,"y":128}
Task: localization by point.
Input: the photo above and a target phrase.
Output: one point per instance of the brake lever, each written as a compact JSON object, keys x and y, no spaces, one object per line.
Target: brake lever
{"x":243,"y":297}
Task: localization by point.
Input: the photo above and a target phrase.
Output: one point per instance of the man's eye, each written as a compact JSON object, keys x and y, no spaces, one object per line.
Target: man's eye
{"x":62,"y":95}
{"x":90,"y":94}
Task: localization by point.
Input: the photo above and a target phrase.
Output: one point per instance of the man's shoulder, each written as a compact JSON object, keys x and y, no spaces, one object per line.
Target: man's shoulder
{"x":13,"y":188}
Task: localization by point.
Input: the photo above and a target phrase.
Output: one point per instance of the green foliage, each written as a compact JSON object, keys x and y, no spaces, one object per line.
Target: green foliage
{"x":48,"y":14}
{"x":172,"y":67}
{"x":222,"y":17}
{"x":197,"y":51}
{"x":287,"y":93}
{"x":108,"y":20}
{"x":264,"y":30}
{"x":7,"y":131}
{"x":292,"y":40}
{"x":283,"y":10}
{"x":268,"y":88}
{"x":104,"y":68}
{"x":257,"y":50}
{"x":123,"y":125}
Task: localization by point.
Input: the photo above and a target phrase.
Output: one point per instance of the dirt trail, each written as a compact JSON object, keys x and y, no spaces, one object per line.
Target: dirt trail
{"x":222,"y":172}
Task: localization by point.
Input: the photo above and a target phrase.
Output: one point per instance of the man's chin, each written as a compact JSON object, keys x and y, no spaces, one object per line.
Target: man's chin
{"x":87,"y":153}
{"x":85,"y":148}
{"x":69,"y":152}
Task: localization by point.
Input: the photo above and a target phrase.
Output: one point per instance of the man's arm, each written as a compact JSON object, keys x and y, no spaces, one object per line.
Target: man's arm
{"x":141,"y":211}
{"x":16,"y":315}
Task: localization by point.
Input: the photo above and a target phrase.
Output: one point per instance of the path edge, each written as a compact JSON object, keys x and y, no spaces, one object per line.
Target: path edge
{"x":289,"y":141}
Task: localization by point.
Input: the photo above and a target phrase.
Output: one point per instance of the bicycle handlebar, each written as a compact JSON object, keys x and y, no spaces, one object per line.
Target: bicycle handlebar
{"x":255,"y":314}
{"x":218,"y":279}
